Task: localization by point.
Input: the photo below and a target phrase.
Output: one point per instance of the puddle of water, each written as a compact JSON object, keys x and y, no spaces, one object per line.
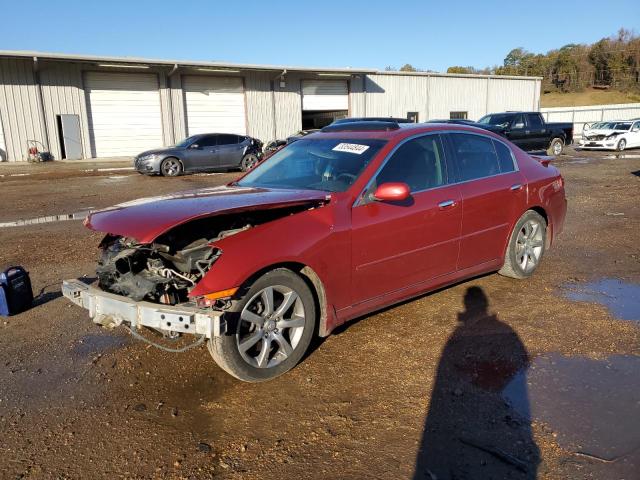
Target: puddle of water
{"x":592,"y":405}
{"x":623,"y":156}
{"x":579,"y":160}
{"x":48,"y":219}
{"x":621,"y":298}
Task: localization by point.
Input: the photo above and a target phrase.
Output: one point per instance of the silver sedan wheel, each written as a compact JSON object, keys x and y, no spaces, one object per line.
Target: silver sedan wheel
{"x":529,"y":245}
{"x":271,"y":326}
{"x":171,"y":167}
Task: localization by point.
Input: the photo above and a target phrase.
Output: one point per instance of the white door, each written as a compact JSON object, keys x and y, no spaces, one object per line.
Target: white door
{"x":3,"y":147}
{"x":214,"y":104}
{"x":634,"y":135}
{"x":124,"y":113}
{"x":325,"y":95}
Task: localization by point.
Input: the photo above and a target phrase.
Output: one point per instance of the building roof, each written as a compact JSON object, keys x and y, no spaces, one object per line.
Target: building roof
{"x":133,"y":61}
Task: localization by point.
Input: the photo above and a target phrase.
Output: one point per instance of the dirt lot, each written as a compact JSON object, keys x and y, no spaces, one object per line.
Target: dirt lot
{"x":543,"y":382}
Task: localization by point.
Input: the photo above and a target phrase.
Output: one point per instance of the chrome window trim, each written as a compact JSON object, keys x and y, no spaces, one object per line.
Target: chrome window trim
{"x":360,"y":200}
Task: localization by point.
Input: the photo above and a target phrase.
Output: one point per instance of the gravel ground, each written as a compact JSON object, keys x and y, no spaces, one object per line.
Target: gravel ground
{"x":519,"y":382}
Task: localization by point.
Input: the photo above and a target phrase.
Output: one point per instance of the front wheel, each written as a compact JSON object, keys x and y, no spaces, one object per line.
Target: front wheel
{"x":171,"y":167}
{"x":526,"y":246}
{"x":269,"y":328}
{"x":248,"y":162}
{"x":555,"y":147}
{"x":622,"y":144}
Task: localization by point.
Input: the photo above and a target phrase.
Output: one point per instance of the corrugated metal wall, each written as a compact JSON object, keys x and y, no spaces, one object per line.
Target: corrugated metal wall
{"x":63,"y":93}
{"x":590,"y":114}
{"x":19,"y":110}
{"x":458,"y":94}
{"x":259,"y":104}
{"x":272,"y":111}
{"x":435,"y":96}
{"x":395,"y":95}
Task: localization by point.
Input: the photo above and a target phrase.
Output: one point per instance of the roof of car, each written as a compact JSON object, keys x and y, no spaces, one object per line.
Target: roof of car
{"x":401,"y":130}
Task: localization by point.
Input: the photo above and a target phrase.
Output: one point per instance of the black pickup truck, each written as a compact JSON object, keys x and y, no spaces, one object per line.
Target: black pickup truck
{"x":529,"y":131}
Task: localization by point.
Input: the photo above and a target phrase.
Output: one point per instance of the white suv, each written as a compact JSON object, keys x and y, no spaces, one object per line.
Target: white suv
{"x":611,"y":135}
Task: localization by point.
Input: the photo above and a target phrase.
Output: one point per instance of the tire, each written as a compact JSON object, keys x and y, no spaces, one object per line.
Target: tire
{"x":171,"y":167}
{"x":526,"y":246}
{"x":622,"y":144}
{"x":258,"y":328}
{"x":555,"y":147}
{"x":248,"y":162}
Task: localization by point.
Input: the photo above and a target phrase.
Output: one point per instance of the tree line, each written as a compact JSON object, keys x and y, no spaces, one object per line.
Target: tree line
{"x":612,"y":62}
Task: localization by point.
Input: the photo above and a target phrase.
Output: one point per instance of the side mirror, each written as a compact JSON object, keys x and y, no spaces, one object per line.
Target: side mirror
{"x":392,"y":192}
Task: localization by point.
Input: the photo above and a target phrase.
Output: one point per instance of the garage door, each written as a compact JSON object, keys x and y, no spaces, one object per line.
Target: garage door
{"x":214,"y":104}
{"x":325,"y":95}
{"x":124,"y":113}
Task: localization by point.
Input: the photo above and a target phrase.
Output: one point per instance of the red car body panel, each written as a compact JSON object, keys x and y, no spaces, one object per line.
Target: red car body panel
{"x":364,"y":256}
{"x":148,"y":218}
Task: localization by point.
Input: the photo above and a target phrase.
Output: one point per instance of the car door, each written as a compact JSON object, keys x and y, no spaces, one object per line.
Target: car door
{"x":493,"y":196}
{"x":518,"y":133}
{"x":202,"y":154}
{"x":538,"y":136}
{"x":634,"y":135}
{"x":400,"y":244}
{"x":229,"y":150}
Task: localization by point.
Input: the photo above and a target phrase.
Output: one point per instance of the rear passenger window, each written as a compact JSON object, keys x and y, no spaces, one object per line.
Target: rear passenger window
{"x":475,"y":156}
{"x":418,"y":162}
{"x":505,"y":157}
{"x":226,"y":139}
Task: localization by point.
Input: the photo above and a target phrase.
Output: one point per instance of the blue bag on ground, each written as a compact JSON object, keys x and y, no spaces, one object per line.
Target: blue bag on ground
{"x":15,"y":291}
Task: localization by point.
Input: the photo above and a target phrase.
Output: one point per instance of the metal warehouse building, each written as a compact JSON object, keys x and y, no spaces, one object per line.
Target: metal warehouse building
{"x":87,"y":106}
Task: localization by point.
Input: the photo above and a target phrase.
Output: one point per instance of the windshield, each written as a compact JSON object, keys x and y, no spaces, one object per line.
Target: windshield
{"x":622,"y":126}
{"x":187,"y":141}
{"x":498,"y":119}
{"x":330,"y":165}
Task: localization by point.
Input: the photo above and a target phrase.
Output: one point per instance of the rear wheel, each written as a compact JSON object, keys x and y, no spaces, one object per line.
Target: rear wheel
{"x":248,"y":162}
{"x":171,"y":167}
{"x":622,"y":144}
{"x":526,"y":246}
{"x":268,"y":329}
{"x":555,"y":147}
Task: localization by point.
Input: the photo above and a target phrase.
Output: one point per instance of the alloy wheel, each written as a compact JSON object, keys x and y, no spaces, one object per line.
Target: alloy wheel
{"x":622,"y":144}
{"x":171,"y":167}
{"x":557,"y":148}
{"x":270,"y":327}
{"x":529,"y":245}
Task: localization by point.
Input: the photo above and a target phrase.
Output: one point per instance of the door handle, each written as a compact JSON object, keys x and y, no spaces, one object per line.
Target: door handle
{"x":446,"y":204}
{"x":516,"y":187}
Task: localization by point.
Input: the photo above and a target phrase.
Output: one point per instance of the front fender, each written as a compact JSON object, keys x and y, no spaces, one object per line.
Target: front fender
{"x":310,"y":238}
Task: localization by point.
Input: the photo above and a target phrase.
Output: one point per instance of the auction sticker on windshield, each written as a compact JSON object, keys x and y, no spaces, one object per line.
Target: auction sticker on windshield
{"x":351,"y":148}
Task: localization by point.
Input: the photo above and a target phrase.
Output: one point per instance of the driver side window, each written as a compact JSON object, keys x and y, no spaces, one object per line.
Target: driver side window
{"x":207,"y":141}
{"x":418,"y":162}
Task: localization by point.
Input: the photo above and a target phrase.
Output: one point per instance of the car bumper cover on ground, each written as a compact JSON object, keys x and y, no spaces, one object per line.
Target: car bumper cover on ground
{"x":112,"y":310}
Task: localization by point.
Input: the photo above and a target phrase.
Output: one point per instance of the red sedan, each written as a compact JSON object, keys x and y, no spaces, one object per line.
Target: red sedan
{"x":336,"y":225}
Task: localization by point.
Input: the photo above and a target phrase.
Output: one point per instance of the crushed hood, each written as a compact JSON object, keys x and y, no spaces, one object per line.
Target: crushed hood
{"x":148,"y":218}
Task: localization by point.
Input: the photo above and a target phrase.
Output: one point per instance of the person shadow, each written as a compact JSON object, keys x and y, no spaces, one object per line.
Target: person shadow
{"x":470,"y":432}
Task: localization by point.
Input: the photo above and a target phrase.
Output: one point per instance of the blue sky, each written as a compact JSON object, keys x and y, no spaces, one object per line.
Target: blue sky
{"x":428,"y":34}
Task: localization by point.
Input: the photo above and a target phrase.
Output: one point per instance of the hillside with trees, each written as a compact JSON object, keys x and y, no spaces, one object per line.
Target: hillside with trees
{"x":611,"y":64}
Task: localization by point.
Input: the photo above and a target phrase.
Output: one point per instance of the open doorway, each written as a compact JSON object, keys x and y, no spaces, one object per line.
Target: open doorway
{"x":69,"y":137}
{"x":319,"y":118}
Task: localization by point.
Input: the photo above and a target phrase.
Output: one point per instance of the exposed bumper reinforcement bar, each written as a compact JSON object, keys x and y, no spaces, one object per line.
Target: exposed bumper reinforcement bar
{"x":112,"y":310}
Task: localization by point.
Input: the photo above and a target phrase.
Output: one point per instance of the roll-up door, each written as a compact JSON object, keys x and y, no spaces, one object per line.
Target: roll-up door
{"x":214,"y":104}
{"x":325,"y":95}
{"x":124,"y":113}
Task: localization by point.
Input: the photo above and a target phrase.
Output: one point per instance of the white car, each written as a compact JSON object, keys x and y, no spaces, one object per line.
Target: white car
{"x":611,"y":135}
